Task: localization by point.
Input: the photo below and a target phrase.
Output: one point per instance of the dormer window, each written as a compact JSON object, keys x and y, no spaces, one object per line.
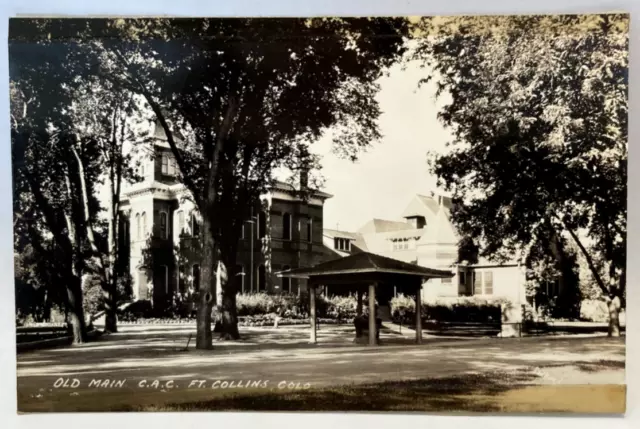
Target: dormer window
{"x":403,"y":244}
{"x":417,"y":222}
{"x":343,"y":244}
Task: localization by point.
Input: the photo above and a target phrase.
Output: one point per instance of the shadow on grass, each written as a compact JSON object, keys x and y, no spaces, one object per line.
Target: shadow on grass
{"x":465,"y":393}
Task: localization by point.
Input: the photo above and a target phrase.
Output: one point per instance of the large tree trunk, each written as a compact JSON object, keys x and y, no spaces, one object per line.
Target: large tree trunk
{"x":206,"y":296}
{"x":611,"y":293}
{"x":75,"y":310}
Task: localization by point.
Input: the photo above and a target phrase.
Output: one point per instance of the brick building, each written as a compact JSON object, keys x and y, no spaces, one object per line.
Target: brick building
{"x":160,"y":229}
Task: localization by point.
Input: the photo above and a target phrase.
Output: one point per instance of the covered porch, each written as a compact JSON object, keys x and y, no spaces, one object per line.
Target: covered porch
{"x":371,"y":273}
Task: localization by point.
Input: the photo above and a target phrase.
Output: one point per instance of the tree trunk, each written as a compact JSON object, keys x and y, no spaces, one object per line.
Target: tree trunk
{"x":206,"y":297}
{"x":229,"y":314}
{"x":76,"y":311}
{"x":614,"y":305}
{"x":110,"y":312}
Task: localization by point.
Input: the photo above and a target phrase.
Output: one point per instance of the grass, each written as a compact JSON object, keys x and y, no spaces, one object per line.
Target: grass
{"x":503,"y":392}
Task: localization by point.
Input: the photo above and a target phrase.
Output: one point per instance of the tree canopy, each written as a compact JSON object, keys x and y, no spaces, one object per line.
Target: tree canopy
{"x":538,"y":110}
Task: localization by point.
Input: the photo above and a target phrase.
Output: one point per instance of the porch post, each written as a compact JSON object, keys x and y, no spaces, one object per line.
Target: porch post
{"x":359,"y":306}
{"x":372,"y":314}
{"x":312,"y":312}
{"x":419,"y":313}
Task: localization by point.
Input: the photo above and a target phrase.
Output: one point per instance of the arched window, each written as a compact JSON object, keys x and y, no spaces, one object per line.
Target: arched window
{"x":138,"y":227}
{"x":180,"y":222}
{"x":286,"y":281}
{"x":143,"y":218}
{"x":262,"y":224}
{"x":195,"y":226}
{"x":196,"y":277}
{"x":286,"y":226}
{"x":164,"y":226}
{"x":262,"y":281}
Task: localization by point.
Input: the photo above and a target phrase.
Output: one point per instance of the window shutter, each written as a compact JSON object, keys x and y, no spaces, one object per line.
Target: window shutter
{"x":488,"y":283}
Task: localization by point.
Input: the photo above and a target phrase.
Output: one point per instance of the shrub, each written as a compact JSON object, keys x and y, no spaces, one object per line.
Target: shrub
{"x":403,"y":309}
{"x":464,"y":309}
{"x":137,"y":310}
{"x":594,"y":310}
{"x":341,"y":307}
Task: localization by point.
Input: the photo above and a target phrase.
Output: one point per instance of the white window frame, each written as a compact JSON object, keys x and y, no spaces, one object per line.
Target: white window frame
{"x":181,"y":220}
{"x":164,"y":161}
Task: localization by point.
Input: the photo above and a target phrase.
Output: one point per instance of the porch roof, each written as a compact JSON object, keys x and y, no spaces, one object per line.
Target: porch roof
{"x":365,"y":263}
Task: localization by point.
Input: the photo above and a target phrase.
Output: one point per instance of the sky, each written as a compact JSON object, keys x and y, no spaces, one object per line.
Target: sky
{"x":394,"y":169}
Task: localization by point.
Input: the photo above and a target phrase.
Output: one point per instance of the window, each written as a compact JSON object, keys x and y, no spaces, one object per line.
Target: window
{"x":310,"y":230}
{"x":196,"y":277}
{"x":462,"y":278}
{"x":262,"y":224}
{"x":138,"y":227}
{"x":342,"y":244}
{"x":488,"y":282}
{"x":262,"y":281}
{"x":165,"y":164}
{"x":142,"y":170}
{"x":195,"y":226}
{"x":144,"y":225}
{"x":181,"y":221}
{"x":477,"y":283}
{"x":164,"y":270}
{"x":142,"y":285}
{"x":172,"y":166}
{"x":401,"y":244}
{"x":286,"y":281}
{"x":483,"y":283}
{"x":163,"y":225}
{"x":286,"y":226}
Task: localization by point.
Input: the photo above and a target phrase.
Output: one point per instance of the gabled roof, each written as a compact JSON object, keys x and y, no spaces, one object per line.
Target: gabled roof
{"x":381,"y":225}
{"x":421,"y":205}
{"x":365,"y":262}
{"x":440,"y":230}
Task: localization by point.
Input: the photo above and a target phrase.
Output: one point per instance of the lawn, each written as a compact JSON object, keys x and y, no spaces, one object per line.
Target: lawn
{"x":560,"y":374}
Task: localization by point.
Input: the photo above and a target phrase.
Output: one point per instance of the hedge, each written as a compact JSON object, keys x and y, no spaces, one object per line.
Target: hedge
{"x":463,"y":309}
{"x":285,"y":306}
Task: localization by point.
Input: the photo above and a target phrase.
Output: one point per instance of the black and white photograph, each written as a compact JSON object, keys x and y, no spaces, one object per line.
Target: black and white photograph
{"x":320,"y":214}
